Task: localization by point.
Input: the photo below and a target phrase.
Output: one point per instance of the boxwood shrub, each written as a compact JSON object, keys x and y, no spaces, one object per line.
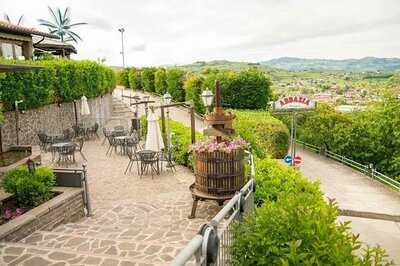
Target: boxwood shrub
{"x":58,"y":81}
{"x":29,"y":188}
{"x":293,"y":225}
{"x":266,"y":134}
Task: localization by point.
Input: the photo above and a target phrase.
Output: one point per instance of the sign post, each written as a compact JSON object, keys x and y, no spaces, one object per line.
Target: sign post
{"x":293,"y":105}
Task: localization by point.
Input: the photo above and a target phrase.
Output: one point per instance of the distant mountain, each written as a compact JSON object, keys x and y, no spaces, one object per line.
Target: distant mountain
{"x":354,"y":65}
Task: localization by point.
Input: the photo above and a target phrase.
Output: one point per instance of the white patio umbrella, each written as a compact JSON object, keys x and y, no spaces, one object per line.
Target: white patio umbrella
{"x":84,"y":106}
{"x":154,"y":140}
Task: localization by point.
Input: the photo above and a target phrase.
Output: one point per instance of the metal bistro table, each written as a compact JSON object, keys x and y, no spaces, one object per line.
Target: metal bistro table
{"x":123,"y":143}
{"x":65,"y":150}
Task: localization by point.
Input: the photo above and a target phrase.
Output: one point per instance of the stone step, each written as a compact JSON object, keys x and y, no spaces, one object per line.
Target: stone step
{"x":32,"y":255}
{"x":133,"y":250}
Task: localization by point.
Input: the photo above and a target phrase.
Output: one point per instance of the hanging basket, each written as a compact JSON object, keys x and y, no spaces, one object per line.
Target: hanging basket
{"x":219,"y":173}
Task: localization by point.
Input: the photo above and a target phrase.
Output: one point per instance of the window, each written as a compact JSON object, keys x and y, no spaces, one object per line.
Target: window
{"x":7,"y":50}
{"x":11,"y":50}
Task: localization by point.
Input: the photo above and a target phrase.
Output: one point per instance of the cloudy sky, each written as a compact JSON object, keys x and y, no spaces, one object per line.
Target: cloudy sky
{"x":162,"y":32}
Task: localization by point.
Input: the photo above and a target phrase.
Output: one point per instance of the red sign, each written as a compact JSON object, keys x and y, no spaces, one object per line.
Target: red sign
{"x":297,"y":102}
{"x":297,"y":160}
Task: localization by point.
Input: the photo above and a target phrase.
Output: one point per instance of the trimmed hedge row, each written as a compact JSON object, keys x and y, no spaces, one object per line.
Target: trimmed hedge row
{"x":266,"y":134}
{"x":58,"y":81}
{"x":247,"y":89}
{"x":293,"y":225}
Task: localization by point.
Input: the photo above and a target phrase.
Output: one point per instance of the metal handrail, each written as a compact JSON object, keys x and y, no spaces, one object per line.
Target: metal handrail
{"x":205,"y":247}
{"x":366,"y":169}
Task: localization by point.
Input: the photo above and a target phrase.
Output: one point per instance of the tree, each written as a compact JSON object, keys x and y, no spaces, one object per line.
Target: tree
{"x":160,"y":81}
{"x":148,"y":79}
{"x":175,"y":78}
{"x":61,"y":25}
{"x":135,"y":79}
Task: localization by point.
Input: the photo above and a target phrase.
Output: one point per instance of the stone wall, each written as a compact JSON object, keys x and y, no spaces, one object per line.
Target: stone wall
{"x":65,"y":208}
{"x":52,"y":118}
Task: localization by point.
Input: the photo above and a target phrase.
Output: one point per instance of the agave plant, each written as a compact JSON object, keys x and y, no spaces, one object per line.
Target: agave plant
{"x":61,"y":25}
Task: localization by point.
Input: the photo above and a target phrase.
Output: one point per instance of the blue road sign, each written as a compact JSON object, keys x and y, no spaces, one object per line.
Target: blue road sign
{"x":288,"y":159}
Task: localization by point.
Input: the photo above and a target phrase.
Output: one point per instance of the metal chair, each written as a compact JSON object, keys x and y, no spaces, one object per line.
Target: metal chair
{"x":166,"y":156}
{"x":148,"y":159}
{"x":133,"y":157}
{"x":79,"y":142}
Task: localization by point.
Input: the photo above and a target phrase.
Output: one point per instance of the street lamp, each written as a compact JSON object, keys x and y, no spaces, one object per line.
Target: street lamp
{"x":207,"y":96}
{"x":122,"y":30}
{"x":167,"y":98}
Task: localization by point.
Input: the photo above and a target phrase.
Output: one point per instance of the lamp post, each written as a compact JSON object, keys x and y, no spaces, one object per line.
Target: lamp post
{"x":17,"y":119}
{"x":207,"y":96}
{"x":122,"y":30}
{"x":167,"y":98}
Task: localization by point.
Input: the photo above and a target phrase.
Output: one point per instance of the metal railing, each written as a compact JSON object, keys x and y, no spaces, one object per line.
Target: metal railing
{"x":365,"y":169}
{"x":211,"y":245}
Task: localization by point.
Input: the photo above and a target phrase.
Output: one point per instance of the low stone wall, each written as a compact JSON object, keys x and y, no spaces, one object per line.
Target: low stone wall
{"x":53,"y":118}
{"x":64,"y":208}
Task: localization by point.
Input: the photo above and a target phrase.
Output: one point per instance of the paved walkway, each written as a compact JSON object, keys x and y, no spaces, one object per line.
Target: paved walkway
{"x":136,"y":221}
{"x":355,"y":191}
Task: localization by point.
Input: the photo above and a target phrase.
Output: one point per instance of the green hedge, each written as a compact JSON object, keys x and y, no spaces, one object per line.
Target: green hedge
{"x":123,"y":77}
{"x":193,"y":90}
{"x":181,"y":140}
{"x":266,"y":134}
{"x":369,"y":136}
{"x":148,"y":79}
{"x":58,"y":81}
{"x":295,"y":226}
{"x":175,"y":79}
{"x":160,"y":81}
{"x":135,"y":79}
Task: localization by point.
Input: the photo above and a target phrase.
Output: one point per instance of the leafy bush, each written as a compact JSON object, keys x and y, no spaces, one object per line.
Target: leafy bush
{"x":181,"y":140}
{"x":193,"y":90}
{"x":248,"y":89}
{"x":148,"y":79}
{"x":266,"y":134}
{"x":160,"y":81}
{"x":29,"y":189}
{"x":135,"y":79}
{"x":295,"y":226}
{"x":123,"y":77}
{"x":58,"y":81}
{"x":368,"y":136}
{"x":175,"y":78}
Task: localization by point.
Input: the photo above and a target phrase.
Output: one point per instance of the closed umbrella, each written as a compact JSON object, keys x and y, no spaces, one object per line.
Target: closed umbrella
{"x":154,"y":140}
{"x":84,"y":106}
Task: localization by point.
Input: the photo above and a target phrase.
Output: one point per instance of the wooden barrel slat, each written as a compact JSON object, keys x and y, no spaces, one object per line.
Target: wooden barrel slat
{"x":219,"y":173}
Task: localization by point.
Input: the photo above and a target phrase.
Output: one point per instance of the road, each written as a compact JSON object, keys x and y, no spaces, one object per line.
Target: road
{"x":357,"y":192}
{"x":351,"y":189}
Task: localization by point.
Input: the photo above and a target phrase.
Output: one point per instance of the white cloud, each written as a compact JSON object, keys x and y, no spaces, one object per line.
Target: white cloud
{"x":182,"y":31}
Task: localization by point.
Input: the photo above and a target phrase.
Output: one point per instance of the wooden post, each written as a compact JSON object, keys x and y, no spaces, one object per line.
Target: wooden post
{"x":76,"y":113}
{"x":163,"y":130}
{"x":17,"y":121}
{"x":192,"y":124}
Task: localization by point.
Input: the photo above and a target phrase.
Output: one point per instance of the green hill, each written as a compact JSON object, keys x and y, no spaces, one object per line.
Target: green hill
{"x":349,"y":65}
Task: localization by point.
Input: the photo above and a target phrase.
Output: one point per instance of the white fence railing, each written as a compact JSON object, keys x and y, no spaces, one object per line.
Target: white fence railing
{"x":366,"y":169}
{"x":211,"y":245}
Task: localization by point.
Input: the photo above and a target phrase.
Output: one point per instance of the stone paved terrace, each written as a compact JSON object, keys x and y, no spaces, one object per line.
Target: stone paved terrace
{"x":136,"y":221}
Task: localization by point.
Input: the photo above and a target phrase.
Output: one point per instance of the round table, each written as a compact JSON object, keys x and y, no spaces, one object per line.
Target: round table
{"x":58,"y":147}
